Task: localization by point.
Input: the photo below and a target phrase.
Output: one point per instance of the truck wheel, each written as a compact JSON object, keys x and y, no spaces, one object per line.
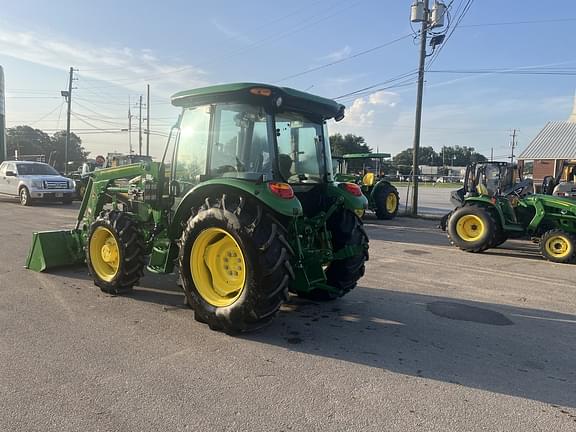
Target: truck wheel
{"x":386,"y":201}
{"x":115,"y":252}
{"x":234,"y":264}
{"x":472,"y":229}
{"x":558,"y":246}
{"x":25,"y":198}
{"x":343,"y":275}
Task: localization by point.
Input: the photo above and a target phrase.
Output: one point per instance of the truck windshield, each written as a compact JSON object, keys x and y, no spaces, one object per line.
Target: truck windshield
{"x":36,"y":169}
{"x":300,"y":148}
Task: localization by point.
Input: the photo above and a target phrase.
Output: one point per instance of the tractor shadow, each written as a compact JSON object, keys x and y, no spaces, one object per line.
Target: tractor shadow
{"x":503,"y":349}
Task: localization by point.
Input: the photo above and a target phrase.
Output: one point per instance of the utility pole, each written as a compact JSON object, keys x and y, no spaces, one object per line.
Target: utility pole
{"x":420,"y":12}
{"x":147,"y":119}
{"x":418,"y":120}
{"x":491,"y":154}
{"x":68,"y":95}
{"x":140,"y":129}
{"x":512,"y":145}
{"x":130,"y":127}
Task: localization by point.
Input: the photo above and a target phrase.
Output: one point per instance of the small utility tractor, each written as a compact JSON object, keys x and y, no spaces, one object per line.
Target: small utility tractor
{"x":243,"y":204}
{"x":496,"y":204}
{"x":383,"y":198}
{"x":564,"y":184}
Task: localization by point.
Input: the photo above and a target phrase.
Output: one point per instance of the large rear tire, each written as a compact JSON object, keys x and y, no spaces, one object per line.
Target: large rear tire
{"x":343,"y":275}
{"x":558,"y":246}
{"x":472,"y":229}
{"x":115,"y":252}
{"x":386,"y":201}
{"x":234,"y":264}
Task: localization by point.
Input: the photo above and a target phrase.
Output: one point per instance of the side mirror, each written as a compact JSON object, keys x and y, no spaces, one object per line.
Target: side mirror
{"x":11,"y":174}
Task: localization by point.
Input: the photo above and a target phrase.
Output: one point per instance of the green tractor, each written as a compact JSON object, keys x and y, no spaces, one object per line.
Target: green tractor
{"x":496,"y":204}
{"x":243,"y":205}
{"x":383,"y":197}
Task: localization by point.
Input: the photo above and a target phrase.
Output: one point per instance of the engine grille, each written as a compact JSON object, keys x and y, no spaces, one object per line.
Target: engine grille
{"x":56,"y":185}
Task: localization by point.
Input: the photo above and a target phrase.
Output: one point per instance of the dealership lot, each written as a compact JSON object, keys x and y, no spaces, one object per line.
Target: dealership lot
{"x":432,"y":339}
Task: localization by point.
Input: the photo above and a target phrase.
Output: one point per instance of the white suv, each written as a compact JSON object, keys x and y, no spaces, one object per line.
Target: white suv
{"x":34,"y":180}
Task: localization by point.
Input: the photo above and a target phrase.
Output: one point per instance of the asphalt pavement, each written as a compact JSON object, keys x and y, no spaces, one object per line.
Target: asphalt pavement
{"x":432,"y":339}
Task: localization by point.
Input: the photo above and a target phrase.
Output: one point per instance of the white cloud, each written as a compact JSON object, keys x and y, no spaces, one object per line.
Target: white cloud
{"x":127,"y":67}
{"x":338,"y":54}
{"x":231,"y":34}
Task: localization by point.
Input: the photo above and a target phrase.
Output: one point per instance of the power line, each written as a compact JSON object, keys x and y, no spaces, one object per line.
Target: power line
{"x":361,"y":53}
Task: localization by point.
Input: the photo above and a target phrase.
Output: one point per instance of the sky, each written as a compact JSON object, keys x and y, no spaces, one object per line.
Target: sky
{"x":330,"y":48}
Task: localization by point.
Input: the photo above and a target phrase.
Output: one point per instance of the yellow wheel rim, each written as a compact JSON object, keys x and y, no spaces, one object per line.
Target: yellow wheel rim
{"x":218,"y":267}
{"x":391,"y":202}
{"x":558,"y":246}
{"x":104,"y":253}
{"x":470,"y":228}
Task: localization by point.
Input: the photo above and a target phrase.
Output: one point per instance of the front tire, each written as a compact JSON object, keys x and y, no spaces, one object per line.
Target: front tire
{"x":472,"y":229}
{"x":234,"y":264}
{"x":115,"y":252}
{"x":387,"y":201}
{"x":558,"y":246}
{"x":25,"y":198}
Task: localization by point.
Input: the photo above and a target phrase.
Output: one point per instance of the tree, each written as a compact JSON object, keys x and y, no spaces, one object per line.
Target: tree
{"x":349,"y":143}
{"x":460,"y":156}
{"x":29,"y":141}
{"x":76,"y":152}
{"x":426,"y":156}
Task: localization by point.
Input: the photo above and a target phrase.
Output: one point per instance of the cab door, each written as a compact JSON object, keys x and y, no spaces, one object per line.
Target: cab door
{"x":9,"y":183}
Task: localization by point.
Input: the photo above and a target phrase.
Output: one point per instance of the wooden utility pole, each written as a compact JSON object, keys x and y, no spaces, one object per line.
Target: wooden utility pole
{"x":69,"y":100}
{"x":512,"y":145}
{"x":418,"y":120}
{"x":148,"y":120}
{"x":140,"y":129}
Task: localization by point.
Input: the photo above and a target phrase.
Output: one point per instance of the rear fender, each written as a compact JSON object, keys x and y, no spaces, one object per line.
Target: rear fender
{"x":351,"y":202}
{"x":260,"y":191}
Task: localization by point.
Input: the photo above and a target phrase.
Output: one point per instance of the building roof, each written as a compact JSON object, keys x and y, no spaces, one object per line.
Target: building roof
{"x":557,"y":140}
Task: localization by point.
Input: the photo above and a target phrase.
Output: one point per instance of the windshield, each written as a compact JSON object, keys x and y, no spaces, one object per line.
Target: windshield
{"x":36,"y":169}
{"x":300,"y":148}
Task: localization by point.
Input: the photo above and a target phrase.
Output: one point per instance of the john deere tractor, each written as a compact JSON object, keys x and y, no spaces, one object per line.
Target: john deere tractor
{"x":243,"y":205}
{"x":365,"y":169}
{"x":495,"y":204}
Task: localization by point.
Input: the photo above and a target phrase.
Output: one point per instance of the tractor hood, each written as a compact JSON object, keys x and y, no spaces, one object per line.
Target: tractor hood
{"x":271,"y":97}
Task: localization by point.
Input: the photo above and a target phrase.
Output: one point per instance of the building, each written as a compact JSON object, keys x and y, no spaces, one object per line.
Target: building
{"x":555,"y":143}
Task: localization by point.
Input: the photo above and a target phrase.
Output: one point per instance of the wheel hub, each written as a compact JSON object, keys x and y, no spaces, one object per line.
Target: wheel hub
{"x":218,"y":267}
{"x":557,"y":246}
{"x":104,"y":253}
{"x":470,"y":227}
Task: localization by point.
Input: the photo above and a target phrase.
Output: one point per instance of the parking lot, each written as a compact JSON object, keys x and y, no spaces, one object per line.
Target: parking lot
{"x":432,"y":339}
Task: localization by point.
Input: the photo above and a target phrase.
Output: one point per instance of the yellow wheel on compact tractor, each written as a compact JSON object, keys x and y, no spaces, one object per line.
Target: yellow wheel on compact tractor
{"x":115,"y":252}
{"x":234,"y":263}
{"x":558,"y":246}
{"x":472,"y":228}
{"x":386,"y":201}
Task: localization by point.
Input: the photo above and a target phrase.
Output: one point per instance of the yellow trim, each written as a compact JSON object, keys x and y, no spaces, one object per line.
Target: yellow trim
{"x":391,"y":202}
{"x":558,"y":246}
{"x":104,"y":253}
{"x":470,"y":228}
{"x":218,"y":267}
{"x":368,"y":179}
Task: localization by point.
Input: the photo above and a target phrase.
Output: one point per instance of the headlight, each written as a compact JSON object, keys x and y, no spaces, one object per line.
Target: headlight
{"x":37,"y":184}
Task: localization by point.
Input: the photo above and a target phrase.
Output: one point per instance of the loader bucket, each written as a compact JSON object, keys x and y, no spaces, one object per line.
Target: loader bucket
{"x":51,"y":249}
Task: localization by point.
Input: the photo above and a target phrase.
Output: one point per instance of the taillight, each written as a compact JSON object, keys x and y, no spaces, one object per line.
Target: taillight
{"x":353,"y":188}
{"x":282,"y":190}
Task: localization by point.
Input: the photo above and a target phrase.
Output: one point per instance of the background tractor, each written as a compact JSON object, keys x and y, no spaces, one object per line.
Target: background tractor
{"x":496,"y":204}
{"x":243,"y":204}
{"x":366,"y":170}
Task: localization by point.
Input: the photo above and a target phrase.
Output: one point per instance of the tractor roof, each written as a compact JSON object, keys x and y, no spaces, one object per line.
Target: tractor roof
{"x":259,"y":94}
{"x":366,"y":156}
